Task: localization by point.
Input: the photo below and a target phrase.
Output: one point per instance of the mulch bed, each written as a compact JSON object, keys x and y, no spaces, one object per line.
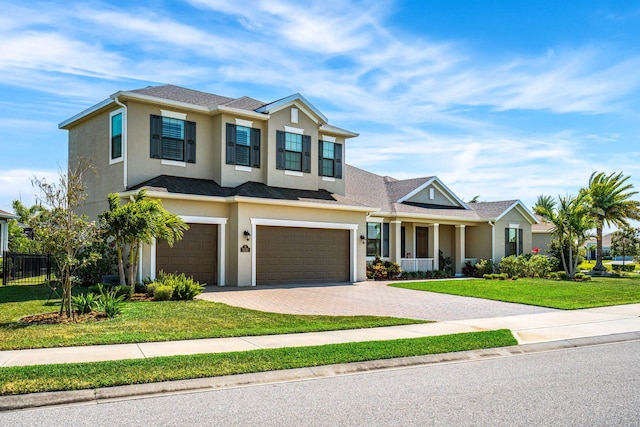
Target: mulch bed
{"x":57,"y":318}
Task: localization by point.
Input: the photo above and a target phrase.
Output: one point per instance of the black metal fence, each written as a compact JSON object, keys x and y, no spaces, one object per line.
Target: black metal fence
{"x":23,"y":268}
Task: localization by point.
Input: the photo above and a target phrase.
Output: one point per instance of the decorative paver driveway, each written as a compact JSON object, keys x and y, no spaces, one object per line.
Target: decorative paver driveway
{"x":364,"y":298}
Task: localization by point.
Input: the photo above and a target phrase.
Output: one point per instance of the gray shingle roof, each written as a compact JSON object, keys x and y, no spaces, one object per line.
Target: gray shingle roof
{"x":207,"y":187}
{"x":384,"y":192}
{"x":196,"y":97}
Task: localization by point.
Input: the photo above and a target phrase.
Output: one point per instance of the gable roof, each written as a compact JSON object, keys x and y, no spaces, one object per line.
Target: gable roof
{"x":280,"y":103}
{"x":390,"y":195}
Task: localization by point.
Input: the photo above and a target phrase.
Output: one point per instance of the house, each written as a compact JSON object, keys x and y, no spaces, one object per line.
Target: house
{"x":592,"y":244}
{"x":268,"y":196}
{"x":542,"y":235}
{"x":4,"y":230}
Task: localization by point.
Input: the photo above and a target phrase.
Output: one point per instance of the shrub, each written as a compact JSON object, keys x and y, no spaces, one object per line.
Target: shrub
{"x":381,"y":270}
{"x":629,"y":268}
{"x":123,"y":291}
{"x":85,"y":303}
{"x":186,"y":288}
{"x":151,"y":287}
{"x":469,"y":269}
{"x":162,"y":292}
{"x":562,"y":275}
{"x":488,"y":276}
{"x":110,"y":303}
{"x":484,"y":266}
{"x":526,"y":265}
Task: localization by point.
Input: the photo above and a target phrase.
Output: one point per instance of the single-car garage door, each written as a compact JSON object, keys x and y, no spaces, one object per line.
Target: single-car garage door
{"x":195,"y":255}
{"x":301,"y":255}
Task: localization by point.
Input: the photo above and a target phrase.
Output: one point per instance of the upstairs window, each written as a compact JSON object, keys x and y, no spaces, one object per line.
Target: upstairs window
{"x":243,"y":146}
{"x":115,"y":133}
{"x":293,"y":152}
{"x":173,"y":139}
{"x":330,"y":159}
{"x":513,"y":241}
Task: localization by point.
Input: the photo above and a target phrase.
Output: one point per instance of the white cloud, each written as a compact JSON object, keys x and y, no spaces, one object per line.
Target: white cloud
{"x":15,"y":184}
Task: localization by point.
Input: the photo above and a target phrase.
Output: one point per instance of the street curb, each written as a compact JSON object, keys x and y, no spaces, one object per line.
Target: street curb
{"x":97,"y":395}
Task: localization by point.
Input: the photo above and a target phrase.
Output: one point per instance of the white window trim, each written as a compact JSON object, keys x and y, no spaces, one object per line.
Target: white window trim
{"x":173,"y":114}
{"x":243,"y":168}
{"x":293,"y":173}
{"x":221,"y":222}
{"x":291,"y":129}
{"x":123,"y":136}
{"x":353,"y":239}
{"x":329,"y":138}
{"x":173,"y":163}
{"x":245,"y":123}
{"x":328,"y":179}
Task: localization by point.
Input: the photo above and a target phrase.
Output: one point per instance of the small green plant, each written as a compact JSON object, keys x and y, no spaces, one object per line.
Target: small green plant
{"x":381,"y":270}
{"x":85,"y":303}
{"x":562,"y":275}
{"x":162,"y":292}
{"x":487,"y":276}
{"x":110,"y":303}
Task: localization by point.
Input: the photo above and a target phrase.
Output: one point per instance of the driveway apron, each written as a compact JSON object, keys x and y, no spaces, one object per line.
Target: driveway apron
{"x":364,"y":298}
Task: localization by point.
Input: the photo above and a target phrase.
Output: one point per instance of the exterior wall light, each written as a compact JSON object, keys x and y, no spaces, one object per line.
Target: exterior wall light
{"x":247,"y":235}
{"x":363,"y":239}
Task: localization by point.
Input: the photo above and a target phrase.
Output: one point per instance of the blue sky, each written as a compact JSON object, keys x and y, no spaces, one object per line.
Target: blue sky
{"x":499,"y":98}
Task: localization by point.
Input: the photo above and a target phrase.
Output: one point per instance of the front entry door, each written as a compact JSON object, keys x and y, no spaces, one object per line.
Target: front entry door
{"x":422,"y":242}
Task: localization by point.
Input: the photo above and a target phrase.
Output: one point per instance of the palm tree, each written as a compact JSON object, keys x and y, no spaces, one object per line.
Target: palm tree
{"x":135,"y":223}
{"x":572,"y":223}
{"x":610,"y":204}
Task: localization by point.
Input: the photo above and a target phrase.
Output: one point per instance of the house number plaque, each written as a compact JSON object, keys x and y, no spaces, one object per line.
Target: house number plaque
{"x":245,"y":248}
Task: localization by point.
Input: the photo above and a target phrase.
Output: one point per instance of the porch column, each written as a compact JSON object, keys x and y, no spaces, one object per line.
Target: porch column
{"x":395,"y":241}
{"x":436,"y":246}
{"x":460,"y":249}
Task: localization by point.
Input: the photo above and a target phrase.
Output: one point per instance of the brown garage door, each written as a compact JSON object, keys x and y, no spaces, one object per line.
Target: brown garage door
{"x":301,"y":255}
{"x":195,"y":255}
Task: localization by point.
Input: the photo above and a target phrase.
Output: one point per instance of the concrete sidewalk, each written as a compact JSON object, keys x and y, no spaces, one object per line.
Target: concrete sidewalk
{"x":527,"y":328}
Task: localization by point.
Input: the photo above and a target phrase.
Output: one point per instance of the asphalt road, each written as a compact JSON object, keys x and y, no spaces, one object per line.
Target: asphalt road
{"x":587,"y":386}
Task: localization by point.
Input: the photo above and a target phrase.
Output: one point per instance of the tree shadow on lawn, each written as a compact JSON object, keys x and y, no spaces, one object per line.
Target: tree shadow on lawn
{"x":22,"y":293}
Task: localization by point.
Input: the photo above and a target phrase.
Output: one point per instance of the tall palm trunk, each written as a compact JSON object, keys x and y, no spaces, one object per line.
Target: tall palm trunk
{"x":599,"y":265}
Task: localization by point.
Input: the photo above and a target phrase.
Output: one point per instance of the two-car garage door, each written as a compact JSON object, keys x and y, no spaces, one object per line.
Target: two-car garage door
{"x":301,"y":255}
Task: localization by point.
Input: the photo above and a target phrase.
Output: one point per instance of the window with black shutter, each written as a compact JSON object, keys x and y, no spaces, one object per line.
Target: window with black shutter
{"x":173,"y":139}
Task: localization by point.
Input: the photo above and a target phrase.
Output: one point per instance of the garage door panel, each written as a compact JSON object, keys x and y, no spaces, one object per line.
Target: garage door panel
{"x":195,"y":255}
{"x":301,"y":255}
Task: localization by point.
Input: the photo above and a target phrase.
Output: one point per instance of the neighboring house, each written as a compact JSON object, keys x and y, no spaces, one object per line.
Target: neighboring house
{"x":591,"y":247}
{"x":4,"y":230}
{"x":541,"y":235}
{"x":268,"y":196}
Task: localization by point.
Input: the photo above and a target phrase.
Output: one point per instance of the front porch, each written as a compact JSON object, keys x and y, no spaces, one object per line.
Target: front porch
{"x":422,"y":246}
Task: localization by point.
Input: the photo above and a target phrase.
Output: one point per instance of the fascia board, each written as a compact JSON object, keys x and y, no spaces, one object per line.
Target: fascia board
{"x":447,"y":220}
{"x":239,"y":112}
{"x":85,"y":113}
{"x":340,"y":132}
{"x":281,"y":103}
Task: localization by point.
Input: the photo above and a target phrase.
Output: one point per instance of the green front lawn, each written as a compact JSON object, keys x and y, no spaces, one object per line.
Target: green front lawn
{"x":156,"y":321}
{"x":563,"y":294}
{"x":76,"y":376}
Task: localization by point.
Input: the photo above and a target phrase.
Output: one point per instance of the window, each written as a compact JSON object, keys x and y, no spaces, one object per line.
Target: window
{"x":243,"y":146}
{"x":385,"y":239}
{"x":293,"y":151}
{"x":173,"y":139}
{"x":512,"y":241}
{"x":374,"y":238}
{"x":115,"y":143}
{"x":330,"y":159}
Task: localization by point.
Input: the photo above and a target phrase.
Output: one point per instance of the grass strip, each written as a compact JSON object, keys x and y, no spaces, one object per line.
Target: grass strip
{"x":562,"y":294}
{"x":158,"y":321}
{"x":77,"y":376}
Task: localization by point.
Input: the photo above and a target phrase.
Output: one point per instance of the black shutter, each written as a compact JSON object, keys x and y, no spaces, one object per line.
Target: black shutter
{"x":255,"y":148}
{"x":156,"y":137}
{"x":506,"y":242}
{"x":280,"y":145}
{"x":520,"y":245}
{"x":306,"y":153}
{"x":231,"y":144}
{"x":320,"y":151}
{"x":337,"y":160}
{"x":190,"y":137}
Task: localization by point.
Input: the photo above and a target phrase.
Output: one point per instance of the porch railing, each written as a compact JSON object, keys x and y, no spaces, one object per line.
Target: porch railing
{"x":416,"y":264}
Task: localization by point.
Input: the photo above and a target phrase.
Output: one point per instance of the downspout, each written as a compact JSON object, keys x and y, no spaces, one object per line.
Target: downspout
{"x":124,"y":142}
{"x":493,"y":241}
